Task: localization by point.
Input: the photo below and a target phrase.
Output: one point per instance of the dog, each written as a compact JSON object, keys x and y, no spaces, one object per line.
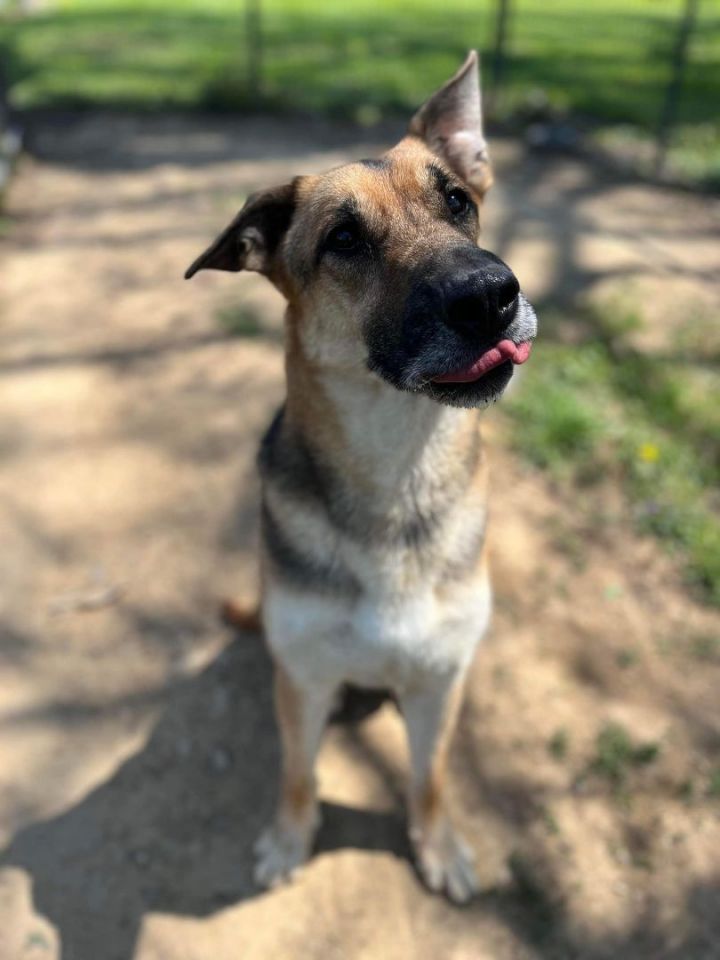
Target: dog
{"x":374,"y":567}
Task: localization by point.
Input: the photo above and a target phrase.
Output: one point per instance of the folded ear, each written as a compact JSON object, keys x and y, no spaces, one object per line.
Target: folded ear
{"x":253,"y":238}
{"x":450,"y":123}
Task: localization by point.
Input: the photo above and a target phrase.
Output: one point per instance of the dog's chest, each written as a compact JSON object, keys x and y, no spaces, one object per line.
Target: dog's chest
{"x":384,"y":638}
{"x":373,"y":571}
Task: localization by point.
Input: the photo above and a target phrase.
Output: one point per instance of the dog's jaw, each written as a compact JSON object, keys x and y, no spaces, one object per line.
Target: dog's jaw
{"x":430,"y":368}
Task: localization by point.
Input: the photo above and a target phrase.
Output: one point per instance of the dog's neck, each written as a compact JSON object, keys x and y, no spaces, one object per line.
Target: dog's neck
{"x":383,"y":441}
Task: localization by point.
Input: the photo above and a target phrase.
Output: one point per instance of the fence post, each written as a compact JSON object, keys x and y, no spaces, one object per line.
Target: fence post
{"x":5,"y":151}
{"x":502,"y":19}
{"x":253,"y":38}
{"x":668,"y":115}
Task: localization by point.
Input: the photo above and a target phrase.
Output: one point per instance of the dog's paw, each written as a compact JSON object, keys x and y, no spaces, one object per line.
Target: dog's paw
{"x":280,"y":852}
{"x":445,"y":862}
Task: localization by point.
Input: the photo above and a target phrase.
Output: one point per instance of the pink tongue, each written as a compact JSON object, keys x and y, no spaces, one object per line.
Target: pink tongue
{"x":505,"y":350}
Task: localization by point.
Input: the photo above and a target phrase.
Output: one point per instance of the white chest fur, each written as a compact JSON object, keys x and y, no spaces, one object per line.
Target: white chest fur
{"x":381,"y":640}
{"x":406,"y":620}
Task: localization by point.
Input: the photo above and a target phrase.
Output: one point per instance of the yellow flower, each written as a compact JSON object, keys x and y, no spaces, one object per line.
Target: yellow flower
{"x":649,"y":452}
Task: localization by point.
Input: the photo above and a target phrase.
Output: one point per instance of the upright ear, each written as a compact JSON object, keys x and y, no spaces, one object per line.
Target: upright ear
{"x":450,"y":123}
{"x":252,"y":239}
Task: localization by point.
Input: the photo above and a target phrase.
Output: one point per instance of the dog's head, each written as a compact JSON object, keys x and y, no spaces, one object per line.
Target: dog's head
{"x":380,"y":264}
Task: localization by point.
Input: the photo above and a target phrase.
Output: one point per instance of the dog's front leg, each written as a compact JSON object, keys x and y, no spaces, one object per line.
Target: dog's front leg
{"x":443,"y":857}
{"x":301,"y":715}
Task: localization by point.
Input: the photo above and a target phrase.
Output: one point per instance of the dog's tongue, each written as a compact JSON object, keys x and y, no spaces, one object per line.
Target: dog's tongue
{"x":505,"y":350}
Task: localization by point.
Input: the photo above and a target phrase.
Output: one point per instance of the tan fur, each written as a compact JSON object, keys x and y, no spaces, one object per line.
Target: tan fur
{"x":297,"y":789}
{"x":397,"y":204}
{"x":373,"y":564}
{"x":427,"y":798}
{"x":234,"y":614}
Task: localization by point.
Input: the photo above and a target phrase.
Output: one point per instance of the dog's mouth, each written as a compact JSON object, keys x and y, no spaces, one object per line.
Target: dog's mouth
{"x":502,"y":352}
{"x":429,"y":357}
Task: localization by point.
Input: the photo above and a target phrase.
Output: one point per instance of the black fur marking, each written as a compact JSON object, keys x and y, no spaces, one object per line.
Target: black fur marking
{"x":452,"y":313}
{"x":289,"y":461}
{"x":373,"y":163}
{"x":442,"y":180}
{"x":357,"y":703}
{"x":286,"y":460}
{"x":300,"y":568}
{"x":488,"y":389}
{"x":268,"y":211}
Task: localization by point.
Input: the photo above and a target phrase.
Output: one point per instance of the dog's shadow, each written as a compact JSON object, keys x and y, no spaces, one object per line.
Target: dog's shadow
{"x":173,"y":829}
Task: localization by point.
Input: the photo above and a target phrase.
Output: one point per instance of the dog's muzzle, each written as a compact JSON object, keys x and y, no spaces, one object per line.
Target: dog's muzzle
{"x":465,"y":326}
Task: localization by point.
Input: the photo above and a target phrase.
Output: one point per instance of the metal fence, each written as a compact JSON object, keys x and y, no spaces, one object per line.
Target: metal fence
{"x":499,"y":22}
{"x":651,"y":64}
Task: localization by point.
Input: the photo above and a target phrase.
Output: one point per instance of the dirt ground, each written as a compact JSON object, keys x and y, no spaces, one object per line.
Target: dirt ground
{"x":138,"y":754}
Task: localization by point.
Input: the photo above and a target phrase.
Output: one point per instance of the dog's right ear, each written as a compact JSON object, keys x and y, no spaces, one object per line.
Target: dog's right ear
{"x":251,"y":241}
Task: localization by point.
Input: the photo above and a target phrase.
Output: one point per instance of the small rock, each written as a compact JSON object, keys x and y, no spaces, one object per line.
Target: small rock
{"x":220,"y":760}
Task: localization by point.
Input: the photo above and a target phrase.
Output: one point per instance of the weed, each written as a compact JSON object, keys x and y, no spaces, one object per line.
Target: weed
{"x":705,"y":647}
{"x":626,"y":658}
{"x":550,"y":822}
{"x":239,"y":321}
{"x":558,"y":744}
{"x":616,"y":754}
{"x":595,"y":410}
{"x":686,"y":791}
{"x":714,"y":784}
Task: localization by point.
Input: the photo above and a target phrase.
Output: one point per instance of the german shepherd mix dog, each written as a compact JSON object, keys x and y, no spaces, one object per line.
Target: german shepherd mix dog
{"x":374,"y":568}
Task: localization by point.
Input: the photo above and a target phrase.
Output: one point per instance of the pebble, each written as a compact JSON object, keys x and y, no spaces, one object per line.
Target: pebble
{"x":220,"y":760}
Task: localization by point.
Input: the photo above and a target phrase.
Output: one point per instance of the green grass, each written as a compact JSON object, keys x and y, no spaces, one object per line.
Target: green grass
{"x":600,"y":410}
{"x":558,"y":744}
{"x":714,"y":784}
{"x":617,"y":754}
{"x":238,"y":320}
{"x":608,"y":59}
{"x":706,"y":647}
{"x":626,"y":658}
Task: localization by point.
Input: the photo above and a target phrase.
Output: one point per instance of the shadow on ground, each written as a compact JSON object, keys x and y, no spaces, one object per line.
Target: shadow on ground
{"x":184,"y":806}
{"x":187,"y":808}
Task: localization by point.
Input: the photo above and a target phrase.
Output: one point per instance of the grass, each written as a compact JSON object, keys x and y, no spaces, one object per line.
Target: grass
{"x":626,"y":658}
{"x":617,"y":754}
{"x":608,"y":60}
{"x":558,"y":744}
{"x":239,"y":320}
{"x":714,"y":784}
{"x":706,"y":647}
{"x":601,"y":410}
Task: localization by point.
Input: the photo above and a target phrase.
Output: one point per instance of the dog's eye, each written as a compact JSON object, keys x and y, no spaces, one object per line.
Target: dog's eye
{"x":343,"y":239}
{"x":457,"y":201}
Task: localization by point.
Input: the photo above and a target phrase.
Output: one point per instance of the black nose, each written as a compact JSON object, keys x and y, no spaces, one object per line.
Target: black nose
{"x":482,"y":302}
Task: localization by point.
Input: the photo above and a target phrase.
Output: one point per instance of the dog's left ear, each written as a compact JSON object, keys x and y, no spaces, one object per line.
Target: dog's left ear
{"x":450,"y":123}
{"x":251,"y":241}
